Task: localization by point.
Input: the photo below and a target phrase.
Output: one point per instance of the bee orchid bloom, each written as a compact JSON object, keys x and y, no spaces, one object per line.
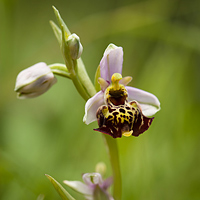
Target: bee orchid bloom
{"x":119,"y":109}
{"x":94,"y":187}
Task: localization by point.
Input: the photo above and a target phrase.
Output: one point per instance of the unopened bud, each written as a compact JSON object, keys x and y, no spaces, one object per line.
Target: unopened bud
{"x":34,"y":81}
{"x":101,"y":168}
{"x":75,"y":46}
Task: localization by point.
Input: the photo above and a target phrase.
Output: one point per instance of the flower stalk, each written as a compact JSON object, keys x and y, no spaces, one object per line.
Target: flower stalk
{"x":60,"y":69}
{"x":113,"y":153}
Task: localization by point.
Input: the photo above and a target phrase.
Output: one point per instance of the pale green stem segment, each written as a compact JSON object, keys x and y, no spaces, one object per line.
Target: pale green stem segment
{"x":84,"y":78}
{"x":59,"y":69}
{"x":114,"y":160}
{"x":61,"y":191}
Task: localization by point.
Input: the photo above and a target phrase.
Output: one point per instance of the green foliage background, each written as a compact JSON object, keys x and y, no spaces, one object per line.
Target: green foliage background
{"x":161,"y":42}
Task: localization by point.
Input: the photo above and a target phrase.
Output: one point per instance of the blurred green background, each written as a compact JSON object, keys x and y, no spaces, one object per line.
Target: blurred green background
{"x":161,"y":42}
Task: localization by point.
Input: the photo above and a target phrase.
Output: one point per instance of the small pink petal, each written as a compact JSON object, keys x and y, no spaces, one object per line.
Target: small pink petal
{"x":111,"y":62}
{"x":107,"y":183}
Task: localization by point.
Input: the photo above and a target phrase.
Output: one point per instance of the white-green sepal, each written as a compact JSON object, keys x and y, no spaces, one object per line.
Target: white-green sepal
{"x":57,"y":32}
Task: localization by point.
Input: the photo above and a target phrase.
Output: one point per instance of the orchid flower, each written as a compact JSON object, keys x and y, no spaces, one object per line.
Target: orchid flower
{"x":119,"y":109}
{"x":93,"y":187}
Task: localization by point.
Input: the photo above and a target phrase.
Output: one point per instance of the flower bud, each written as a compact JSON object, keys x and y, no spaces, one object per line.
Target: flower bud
{"x":34,"y":81}
{"x":75,"y":46}
{"x":101,"y":168}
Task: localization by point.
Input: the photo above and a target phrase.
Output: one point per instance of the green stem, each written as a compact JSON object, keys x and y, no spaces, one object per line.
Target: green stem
{"x":84,"y":78}
{"x":59,"y":69}
{"x":77,"y":82}
{"x":114,"y":160}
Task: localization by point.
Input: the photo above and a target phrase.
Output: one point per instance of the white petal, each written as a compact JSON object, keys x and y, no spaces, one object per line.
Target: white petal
{"x":91,"y":107}
{"x":79,"y":187}
{"x":149,"y":110}
{"x":148,"y":102}
{"x":111,"y":62}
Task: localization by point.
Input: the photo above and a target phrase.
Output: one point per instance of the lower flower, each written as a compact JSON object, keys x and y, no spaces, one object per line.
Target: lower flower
{"x":94,"y":187}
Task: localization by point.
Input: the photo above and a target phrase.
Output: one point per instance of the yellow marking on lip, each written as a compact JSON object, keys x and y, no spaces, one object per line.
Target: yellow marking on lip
{"x":127,"y":133}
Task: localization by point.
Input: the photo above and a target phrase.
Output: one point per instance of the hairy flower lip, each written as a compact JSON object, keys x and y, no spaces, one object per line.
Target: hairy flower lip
{"x":148,"y":108}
